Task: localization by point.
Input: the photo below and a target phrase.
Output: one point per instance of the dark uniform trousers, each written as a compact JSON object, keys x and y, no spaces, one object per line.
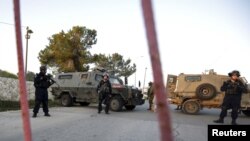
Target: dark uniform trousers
{"x":231,"y":101}
{"x":37,"y":106}
{"x":41,"y":97}
{"x":104,"y":98}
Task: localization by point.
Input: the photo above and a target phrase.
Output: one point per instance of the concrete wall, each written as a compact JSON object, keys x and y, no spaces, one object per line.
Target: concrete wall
{"x":9,"y":89}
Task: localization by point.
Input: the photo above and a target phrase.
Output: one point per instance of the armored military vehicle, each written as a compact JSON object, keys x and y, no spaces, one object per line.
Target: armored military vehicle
{"x":192,"y":92}
{"x":80,"y":87}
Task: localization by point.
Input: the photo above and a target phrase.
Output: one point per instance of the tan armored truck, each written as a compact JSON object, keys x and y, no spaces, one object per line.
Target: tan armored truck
{"x":192,"y":92}
{"x":80,"y":87}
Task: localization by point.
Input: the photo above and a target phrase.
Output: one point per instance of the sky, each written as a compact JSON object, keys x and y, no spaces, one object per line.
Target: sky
{"x":193,"y":35}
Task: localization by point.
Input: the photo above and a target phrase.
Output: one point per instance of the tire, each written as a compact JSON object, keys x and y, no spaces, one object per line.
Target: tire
{"x":191,"y":107}
{"x":66,"y":100}
{"x":116,"y":104}
{"x":130,"y":107}
{"x":205,"y":91}
{"x":84,"y":103}
{"x":246,"y":112}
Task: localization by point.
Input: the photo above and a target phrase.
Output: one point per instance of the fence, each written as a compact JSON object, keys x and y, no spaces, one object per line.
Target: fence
{"x":9,"y":90}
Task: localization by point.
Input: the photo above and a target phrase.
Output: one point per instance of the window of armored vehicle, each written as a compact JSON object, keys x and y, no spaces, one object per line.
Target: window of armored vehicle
{"x":111,"y":79}
{"x":84,"y":77}
{"x":171,"y":80}
{"x":98,"y":77}
{"x":114,"y":80}
{"x":65,"y":76}
{"x":193,"y":78}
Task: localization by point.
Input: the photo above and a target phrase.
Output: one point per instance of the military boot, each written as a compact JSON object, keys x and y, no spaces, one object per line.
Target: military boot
{"x":34,"y":115}
{"x":234,"y":122}
{"x":47,"y":115}
{"x":219,"y":121}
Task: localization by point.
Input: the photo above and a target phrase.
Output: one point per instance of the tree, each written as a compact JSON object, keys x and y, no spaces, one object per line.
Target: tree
{"x":69,"y":52}
{"x":30,"y":76}
{"x":115,"y":63}
{"x":7,"y":74}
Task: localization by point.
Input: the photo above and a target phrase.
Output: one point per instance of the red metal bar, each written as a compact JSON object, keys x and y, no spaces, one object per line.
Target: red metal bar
{"x":21,"y":76}
{"x":160,"y":91}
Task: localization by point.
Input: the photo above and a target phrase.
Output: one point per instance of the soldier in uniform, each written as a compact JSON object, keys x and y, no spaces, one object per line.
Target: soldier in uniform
{"x":104,"y":90}
{"x":150,"y":94}
{"x":233,"y":89}
{"x":42,"y":82}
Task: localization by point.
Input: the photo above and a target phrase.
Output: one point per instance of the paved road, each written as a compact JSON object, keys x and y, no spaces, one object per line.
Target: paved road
{"x":84,"y":124}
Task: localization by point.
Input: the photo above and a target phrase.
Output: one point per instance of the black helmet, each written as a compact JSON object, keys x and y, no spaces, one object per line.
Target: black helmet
{"x":230,"y":74}
{"x":43,"y":68}
{"x":150,"y":83}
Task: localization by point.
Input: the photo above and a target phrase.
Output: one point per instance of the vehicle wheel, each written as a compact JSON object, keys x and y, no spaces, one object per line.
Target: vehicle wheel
{"x":205,"y":91}
{"x":246,"y":112}
{"x":191,"y":107}
{"x":66,"y":100}
{"x":116,"y":103}
{"x":84,"y":103}
{"x":130,"y":107}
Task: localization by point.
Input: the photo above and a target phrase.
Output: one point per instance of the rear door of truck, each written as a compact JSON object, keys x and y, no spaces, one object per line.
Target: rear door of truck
{"x":171,"y":84}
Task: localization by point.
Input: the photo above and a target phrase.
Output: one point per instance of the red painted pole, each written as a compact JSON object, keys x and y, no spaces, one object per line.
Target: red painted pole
{"x":160,"y":91}
{"x":21,"y":76}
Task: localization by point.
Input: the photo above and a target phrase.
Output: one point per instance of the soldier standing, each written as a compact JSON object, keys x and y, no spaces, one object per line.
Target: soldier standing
{"x":233,"y":90}
{"x":150,"y":95}
{"x":42,"y":82}
{"x":104,"y":90}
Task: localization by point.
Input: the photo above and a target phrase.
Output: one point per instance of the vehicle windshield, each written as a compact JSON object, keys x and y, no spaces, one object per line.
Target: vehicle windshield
{"x":114,"y":81}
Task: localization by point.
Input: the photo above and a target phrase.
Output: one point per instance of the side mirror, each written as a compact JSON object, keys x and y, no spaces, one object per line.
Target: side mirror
{"x":139,"y":83}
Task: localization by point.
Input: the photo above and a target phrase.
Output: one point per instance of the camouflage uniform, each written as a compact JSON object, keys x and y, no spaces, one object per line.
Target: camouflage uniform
{"x":150,"y":94}
{"x":233,"y":92}
{"x":104,"y":90}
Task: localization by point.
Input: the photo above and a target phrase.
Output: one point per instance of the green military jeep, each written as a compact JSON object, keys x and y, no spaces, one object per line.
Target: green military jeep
{"x":80,"y":87}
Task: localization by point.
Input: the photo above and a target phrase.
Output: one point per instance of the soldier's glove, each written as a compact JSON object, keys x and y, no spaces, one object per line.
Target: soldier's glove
{"x":241,"y":86}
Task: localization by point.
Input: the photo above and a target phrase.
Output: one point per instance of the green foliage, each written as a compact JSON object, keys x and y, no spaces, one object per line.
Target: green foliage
{"x":7,"y":74}
{"x":15,"y":105}
{"x":9,"y":105}
{"x":115,"y":63}
{"x":30,"y":76}
{"x":68,"y":52}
